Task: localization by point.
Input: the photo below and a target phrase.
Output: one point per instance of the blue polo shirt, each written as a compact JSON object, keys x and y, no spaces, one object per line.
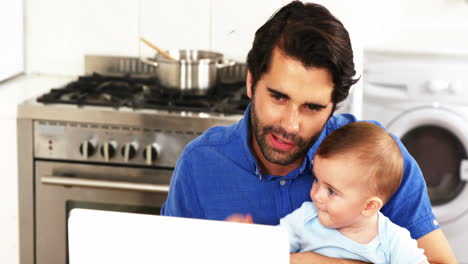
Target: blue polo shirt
{"x":217,"y":175}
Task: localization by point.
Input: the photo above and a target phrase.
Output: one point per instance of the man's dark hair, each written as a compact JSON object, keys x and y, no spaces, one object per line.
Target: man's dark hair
{"x":310,"y":33}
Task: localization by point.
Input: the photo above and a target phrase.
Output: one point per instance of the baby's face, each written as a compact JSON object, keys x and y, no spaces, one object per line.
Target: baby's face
{"x":338,"y":192}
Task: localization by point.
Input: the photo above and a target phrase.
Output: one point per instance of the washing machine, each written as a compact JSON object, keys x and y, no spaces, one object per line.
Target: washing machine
{"x":423,"y":99}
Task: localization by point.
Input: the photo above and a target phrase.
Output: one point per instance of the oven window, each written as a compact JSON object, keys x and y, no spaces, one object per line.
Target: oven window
{"x":113,"y":207}
{"x":439,"y":154}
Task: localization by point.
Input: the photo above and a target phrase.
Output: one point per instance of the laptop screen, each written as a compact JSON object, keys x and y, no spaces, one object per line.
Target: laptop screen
{"x":96,"y":236}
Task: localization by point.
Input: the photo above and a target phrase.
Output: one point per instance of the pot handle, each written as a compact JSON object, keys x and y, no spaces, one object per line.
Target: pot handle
{"x":150,"y":62}
{"x":225,"y":63}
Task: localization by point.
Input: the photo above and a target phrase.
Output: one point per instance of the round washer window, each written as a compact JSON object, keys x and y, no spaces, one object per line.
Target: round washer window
{"x":439,"y":154}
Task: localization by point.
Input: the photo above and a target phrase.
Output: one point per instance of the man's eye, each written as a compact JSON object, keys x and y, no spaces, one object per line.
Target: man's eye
{"x":331,"y":192}
{"x":277,"y":97}
{"x":313,"y":107}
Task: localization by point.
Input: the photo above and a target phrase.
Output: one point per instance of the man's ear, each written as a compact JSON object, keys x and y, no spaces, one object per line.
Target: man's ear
{"x":372,"y":206}
{"x":248,"y":84}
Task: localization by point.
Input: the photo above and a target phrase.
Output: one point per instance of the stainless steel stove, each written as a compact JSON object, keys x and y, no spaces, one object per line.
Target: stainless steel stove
{"x":107,"y":141}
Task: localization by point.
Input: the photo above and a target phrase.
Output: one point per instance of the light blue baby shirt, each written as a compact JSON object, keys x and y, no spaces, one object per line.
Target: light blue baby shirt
{"x":393,"y":244}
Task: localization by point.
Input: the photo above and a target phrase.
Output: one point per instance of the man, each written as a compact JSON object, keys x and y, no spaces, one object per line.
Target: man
{"x":299,"y":68}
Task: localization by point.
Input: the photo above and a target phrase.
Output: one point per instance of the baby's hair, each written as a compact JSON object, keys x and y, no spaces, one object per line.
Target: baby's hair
{"x":372,"y":147}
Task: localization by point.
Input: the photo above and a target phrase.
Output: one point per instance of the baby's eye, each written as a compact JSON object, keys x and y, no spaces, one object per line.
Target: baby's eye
{"x":315,"y":180}
{"x":331,"y":191}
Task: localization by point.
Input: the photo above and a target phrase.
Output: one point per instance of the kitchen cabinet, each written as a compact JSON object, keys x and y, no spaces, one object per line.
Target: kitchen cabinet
{"x":11,"y":46}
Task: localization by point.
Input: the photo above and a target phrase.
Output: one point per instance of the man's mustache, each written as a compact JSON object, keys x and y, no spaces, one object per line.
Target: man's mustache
{"x":296,"y":139}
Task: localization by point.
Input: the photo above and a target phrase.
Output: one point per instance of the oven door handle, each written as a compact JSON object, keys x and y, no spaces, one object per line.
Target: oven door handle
{"x":129,"y":186}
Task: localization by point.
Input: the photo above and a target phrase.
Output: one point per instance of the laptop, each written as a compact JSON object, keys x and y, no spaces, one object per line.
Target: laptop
{"x":96,"y":236}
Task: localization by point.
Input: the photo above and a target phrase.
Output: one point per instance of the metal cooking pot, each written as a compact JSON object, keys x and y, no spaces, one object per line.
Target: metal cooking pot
{"x":192,"y":71}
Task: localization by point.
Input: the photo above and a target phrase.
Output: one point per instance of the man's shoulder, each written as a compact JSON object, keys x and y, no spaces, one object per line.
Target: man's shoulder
{"x":338,"y":120}
{"x":217,"y":136}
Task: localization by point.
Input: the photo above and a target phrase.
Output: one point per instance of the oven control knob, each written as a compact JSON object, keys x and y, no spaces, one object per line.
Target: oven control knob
{"x":87,"y":149}
{"x":150,"y":153}
{"x":108,"y":150}
{"x":129,"y":151}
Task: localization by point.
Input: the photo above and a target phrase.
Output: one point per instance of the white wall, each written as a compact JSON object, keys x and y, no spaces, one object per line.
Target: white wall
{"x":11,"y":44}
{"x":60,"y":32}
{"x":234,"y":24}
{"x":418,"y":25}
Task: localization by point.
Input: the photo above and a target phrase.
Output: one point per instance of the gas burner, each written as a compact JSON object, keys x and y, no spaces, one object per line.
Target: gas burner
{"x":146,"y":93}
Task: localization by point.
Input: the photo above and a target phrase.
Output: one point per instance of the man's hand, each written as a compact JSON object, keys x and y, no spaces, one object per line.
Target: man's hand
{"x":240,"y":218}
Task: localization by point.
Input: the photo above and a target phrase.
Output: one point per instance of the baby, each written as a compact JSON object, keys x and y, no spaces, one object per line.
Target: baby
{"x":357,"y":169}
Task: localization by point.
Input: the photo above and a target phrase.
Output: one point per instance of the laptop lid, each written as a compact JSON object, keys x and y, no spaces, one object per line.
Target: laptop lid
{"x":96,"y":236}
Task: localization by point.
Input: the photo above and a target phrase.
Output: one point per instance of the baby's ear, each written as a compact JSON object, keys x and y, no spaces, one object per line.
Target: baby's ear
{"x":372,"y":206}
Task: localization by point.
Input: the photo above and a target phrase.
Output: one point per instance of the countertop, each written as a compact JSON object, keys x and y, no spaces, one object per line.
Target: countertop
{"x":22,"y":87}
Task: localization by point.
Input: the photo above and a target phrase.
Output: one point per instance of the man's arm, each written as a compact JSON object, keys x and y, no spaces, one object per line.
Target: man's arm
{"x":436,"y":248}
{"x":182,"y":199}
{"x":311,"y":258}
{"x":435,"y":245}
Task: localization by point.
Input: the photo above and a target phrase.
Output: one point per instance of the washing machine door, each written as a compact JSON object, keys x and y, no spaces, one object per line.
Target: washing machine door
{"x":438,"y":139}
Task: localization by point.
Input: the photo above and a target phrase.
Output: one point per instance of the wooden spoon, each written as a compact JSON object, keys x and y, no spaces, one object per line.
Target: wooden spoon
{"x":165,"y":54}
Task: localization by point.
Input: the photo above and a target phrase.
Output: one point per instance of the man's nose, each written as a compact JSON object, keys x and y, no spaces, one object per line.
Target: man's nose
{"x":291,"y":120}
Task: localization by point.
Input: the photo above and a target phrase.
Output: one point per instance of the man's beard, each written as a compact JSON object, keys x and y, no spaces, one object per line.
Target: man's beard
{"x":274,"y":155}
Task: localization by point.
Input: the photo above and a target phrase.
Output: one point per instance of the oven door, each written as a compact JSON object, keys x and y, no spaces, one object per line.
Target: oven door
{"x":63,"y":186}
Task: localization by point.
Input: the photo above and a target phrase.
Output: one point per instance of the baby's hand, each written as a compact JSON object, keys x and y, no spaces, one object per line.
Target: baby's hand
{"x":240,"y":218}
